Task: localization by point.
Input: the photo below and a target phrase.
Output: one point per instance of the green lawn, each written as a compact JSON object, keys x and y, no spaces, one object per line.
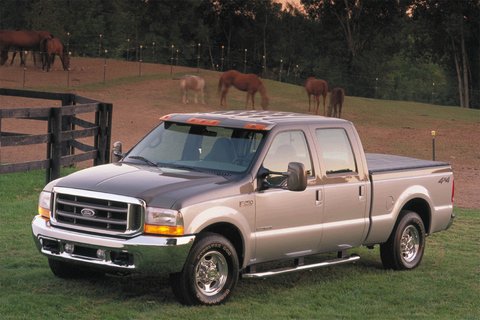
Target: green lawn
{"x":445,"y":286}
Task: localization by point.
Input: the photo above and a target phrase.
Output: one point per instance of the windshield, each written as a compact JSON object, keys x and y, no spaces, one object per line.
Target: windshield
{"x":197,"y":147}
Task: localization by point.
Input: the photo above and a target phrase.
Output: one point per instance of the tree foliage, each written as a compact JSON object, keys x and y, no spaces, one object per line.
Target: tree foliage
{"x":449,"y":33}
{"x":425,"y":50}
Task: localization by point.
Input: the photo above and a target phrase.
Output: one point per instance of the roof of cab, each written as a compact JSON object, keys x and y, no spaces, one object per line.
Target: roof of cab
{"x":255,"y":120}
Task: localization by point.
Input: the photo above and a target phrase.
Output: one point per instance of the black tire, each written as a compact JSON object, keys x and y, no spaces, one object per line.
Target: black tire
{"x":209,"y":274}
{"x":68,"y":270}
{"x":406,"y":245}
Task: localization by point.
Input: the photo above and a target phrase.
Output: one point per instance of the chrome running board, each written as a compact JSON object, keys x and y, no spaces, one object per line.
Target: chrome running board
{"x":300,"y":267}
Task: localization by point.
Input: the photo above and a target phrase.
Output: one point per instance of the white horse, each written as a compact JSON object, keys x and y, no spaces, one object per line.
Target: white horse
{"x":195,"y":83}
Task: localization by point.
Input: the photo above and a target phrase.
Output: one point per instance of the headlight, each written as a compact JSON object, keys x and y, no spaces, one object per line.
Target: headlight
{"x":44,"y":204}
{"x":163,"y":221}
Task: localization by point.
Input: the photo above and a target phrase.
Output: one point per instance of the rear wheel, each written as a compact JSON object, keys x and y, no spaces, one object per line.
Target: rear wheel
{"x":405,"y":247}
{"x":210,"y":272}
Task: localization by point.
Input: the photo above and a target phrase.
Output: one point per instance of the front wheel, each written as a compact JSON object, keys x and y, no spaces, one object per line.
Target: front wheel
{"x":404,"y":249}
{"x":210,"y":272}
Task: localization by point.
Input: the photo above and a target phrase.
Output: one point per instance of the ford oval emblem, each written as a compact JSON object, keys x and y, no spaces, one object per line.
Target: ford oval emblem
{"x":87,"y":212}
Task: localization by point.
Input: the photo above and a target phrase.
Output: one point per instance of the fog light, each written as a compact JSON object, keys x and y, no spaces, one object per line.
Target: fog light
{"x":101,"y":254}
{"x":69,"y":248}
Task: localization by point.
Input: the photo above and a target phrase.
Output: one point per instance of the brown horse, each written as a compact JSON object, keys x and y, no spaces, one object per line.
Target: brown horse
{"x":194,"y":83}
{"x":3,"y":56}
{"x":20,"y":40}
{"x":316,"y":88}
{"x":53,"y":47}
{"x":250,"y":83}
{"x":336,"y":102}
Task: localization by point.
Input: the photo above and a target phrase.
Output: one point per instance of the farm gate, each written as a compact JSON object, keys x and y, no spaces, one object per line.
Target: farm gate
{"x":65,"y":129}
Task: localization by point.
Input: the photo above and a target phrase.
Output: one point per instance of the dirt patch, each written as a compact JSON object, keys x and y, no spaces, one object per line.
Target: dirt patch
{"x":139,"y":104}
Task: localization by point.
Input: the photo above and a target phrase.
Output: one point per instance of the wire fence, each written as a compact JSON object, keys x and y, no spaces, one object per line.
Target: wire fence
{"x":200,"y":56}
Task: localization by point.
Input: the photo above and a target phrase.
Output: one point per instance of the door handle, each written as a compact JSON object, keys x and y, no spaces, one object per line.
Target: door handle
{"x":318,"y":197}
{"x":361,"y":192}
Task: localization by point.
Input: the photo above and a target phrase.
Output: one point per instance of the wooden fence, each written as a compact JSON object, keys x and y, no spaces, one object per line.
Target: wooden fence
{"x":64,"y":129}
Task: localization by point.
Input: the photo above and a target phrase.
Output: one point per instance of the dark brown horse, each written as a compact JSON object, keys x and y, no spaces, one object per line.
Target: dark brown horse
{"x":336,"y":102}
{"x":21,"y":40}
{"x":250,"y":83}
{"x":3,"y":56}
{"x":53,"y":47}
{"x":316,"y":88}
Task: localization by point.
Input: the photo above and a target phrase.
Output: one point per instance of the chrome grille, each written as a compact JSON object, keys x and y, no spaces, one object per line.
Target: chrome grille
{"x":97,"y":212}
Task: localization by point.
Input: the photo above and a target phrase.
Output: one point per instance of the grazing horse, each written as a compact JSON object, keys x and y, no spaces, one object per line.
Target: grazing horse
{"x":336,"y":100}
{"x":20,"y":40}
{"x":53,"y":47}
{"x":316,"y":88}
{"x":195,"y":83}
{"x":3,"y":56}
{"x":250,"y":83}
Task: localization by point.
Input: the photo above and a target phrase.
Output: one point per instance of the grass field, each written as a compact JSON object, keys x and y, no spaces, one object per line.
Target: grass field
{"x":445,"y":286}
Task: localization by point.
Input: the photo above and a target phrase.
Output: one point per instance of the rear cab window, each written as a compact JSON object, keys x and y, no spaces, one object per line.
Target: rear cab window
{"x":336,"y":151}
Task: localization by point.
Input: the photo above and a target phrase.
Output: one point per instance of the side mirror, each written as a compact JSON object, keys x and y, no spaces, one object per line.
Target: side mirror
{"x":117,"y":154}
{"x":297,"y":176}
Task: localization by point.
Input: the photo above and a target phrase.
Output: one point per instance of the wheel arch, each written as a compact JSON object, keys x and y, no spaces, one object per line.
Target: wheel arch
{"x":422,"y":208}
{"x":232,"y":233}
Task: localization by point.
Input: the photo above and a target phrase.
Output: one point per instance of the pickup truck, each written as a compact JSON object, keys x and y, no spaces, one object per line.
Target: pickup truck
{"x":209,"y":197}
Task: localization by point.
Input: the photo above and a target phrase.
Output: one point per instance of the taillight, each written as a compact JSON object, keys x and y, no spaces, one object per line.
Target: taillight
{"x":453,"y":190}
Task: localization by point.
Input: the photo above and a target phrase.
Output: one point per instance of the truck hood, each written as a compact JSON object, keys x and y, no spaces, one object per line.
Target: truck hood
{"x":158,"y":187}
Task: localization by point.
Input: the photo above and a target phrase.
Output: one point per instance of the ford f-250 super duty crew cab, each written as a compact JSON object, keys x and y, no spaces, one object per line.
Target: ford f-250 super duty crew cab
{"x":206,"y":197}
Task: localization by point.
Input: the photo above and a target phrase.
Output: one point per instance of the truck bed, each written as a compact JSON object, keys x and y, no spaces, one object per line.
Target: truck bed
{"x":385,"y":162}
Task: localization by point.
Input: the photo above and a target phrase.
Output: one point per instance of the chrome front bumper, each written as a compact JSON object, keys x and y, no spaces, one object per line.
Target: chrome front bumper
{"x":146,"y":254}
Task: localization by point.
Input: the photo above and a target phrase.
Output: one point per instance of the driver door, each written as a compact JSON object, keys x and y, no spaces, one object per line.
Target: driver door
{"x":287,"y":222}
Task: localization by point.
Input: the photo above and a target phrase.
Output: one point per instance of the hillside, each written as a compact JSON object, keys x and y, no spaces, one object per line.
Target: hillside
{"x":142,"y":93}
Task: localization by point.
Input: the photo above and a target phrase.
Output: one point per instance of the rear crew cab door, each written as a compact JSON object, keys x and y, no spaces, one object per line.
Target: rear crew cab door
{"x":346,"y":189}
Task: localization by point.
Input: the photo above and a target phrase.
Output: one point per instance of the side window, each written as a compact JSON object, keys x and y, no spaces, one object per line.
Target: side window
{"x":289,"y":146}
{"x":336,"y":151}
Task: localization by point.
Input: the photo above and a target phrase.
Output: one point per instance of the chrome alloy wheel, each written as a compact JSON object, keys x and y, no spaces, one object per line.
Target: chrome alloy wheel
{"x":211,"y":273}
{"x":409,"y":243}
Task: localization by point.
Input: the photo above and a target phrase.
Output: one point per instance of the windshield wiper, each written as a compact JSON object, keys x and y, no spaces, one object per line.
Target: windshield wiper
{"x":144,"y":160}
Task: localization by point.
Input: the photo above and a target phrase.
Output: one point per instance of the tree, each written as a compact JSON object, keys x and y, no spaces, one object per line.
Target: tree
{"x":450,"y":36}
{"x":389,"y":48}
{"x":360,"y":21}
{"x":14,"y":21}
{"x":369,"y":30}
